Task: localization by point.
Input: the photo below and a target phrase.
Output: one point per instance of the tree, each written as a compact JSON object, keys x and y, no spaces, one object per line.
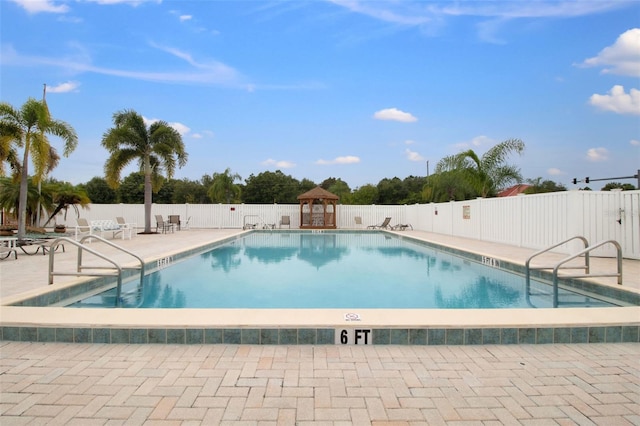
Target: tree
{"x":188,"y":191}
{"x":341,"y":189}
{"x":448,"y":186}
{"x":271,"y":187}
{"x":223,"y":188}
{"x":618,"y":185}
{"x":10,"y":198}
{"x":489,"y":173}
{"x":366,"y":194}
{"x":306,"y":185}
{"x":131,"y":190}
{"x":391,"y":191}
{"x":66,"y":195}
{"x":28,"y":128}
{"x":157,"y":148}
{"x":99,"y":192}
{"x":538,"y":186}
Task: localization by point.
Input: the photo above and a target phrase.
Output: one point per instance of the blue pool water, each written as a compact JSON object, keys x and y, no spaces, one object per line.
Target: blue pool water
{"x":332,"y":270}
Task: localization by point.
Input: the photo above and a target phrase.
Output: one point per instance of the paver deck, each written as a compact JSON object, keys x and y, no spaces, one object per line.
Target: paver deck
{"x":85,"y":384}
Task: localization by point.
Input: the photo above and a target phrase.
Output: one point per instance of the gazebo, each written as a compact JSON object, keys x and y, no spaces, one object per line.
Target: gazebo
{"x":318,"y":209}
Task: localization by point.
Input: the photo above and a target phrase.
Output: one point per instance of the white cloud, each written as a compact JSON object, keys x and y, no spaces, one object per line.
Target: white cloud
{"x":429,"y":16}
{"x":201,"y":135}
{"x":129,"y":2}
{"x":281,"y":164}
{"x":413,"y":156}
{"x":481,"y":140}
{"x":555,"y":172}
{"x":179,"y":127}
{"x":69,"y":86}
{"x":478,"y":141}
{"x":348,"y":159}
{"x":597,"y":154}
{"x":207,"y":72}
{"x":420,"y":13}
{"x":185,"y":18}
{"x":50,"y":6}
{"x":394,"y":114}
{"x":622,"y":58}
{"x":618,"y":101}
{"x":634,"y":142}
{"x":41,"y":6}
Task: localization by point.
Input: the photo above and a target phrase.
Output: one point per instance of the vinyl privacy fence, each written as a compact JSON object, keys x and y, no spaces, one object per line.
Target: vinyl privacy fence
{"x":531,"y":221}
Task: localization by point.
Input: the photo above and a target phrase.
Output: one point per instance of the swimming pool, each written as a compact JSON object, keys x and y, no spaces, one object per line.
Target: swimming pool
{"x":333,"y":269}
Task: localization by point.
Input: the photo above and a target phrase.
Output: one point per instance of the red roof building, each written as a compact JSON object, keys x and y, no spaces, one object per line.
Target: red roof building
{"x":514,"y":190}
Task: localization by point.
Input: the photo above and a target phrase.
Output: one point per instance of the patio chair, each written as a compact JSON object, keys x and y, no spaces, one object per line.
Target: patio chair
{"x":163,"y":224}
{"x":186,"y":224}
{"x":358,"y":221}
{"x":383,"y":225}
{"x":286,"y":220}
{"x":174,"y":219}
{"x":127,"y":225}
{"x":82,"y":228}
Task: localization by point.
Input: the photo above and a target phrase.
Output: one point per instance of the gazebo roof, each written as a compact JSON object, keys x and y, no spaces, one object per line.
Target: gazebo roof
{"x":318,"y":193}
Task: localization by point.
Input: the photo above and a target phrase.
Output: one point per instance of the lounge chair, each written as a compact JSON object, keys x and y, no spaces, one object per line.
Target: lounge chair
{"x":163,"y":224}
{"x":286,"y":220}
{"x":82,"y":228}
{"x":44,"y":244}
{"x":402,"y":227}
{"x":383,"y":225}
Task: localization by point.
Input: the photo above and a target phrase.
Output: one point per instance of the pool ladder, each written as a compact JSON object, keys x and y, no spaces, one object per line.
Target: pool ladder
{"x":560,"y":265}
{"x":116,"y":270}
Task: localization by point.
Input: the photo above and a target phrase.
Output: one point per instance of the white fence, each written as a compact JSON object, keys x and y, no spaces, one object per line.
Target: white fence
{"x":531,"y":221}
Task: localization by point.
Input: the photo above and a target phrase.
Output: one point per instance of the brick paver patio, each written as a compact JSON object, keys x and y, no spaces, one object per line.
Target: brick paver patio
{"x":90,"y":384}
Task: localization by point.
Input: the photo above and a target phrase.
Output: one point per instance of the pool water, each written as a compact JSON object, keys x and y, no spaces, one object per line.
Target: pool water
{"x":332,"y":270}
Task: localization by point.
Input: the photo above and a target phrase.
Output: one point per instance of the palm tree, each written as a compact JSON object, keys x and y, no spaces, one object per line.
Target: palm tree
{"x":27,"y":128}
{"x":156,"y":147}
{"x":65,"y":195}
{"x":223,"y":189}
{"x":488,"y":173}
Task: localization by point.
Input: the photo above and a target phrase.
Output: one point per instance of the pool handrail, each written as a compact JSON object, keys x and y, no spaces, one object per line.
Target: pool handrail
{"x":528,"y":266}
{"x":585,"y":252}
{"x":79,"y":267}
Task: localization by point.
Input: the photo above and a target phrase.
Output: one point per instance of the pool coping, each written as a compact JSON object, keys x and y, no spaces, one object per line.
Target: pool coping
{"x":316,"y":326}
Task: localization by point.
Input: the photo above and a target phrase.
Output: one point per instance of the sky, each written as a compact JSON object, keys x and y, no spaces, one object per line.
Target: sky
{"x":356,"y":90}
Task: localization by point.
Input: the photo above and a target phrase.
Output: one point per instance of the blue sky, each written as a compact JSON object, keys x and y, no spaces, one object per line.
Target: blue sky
{"x":359,"y":90}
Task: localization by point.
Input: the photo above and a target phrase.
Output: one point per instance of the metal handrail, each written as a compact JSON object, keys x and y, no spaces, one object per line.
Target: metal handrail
{"x":528,"y":267}
{"x":79,"y":271}
{"x":585,"y":252}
